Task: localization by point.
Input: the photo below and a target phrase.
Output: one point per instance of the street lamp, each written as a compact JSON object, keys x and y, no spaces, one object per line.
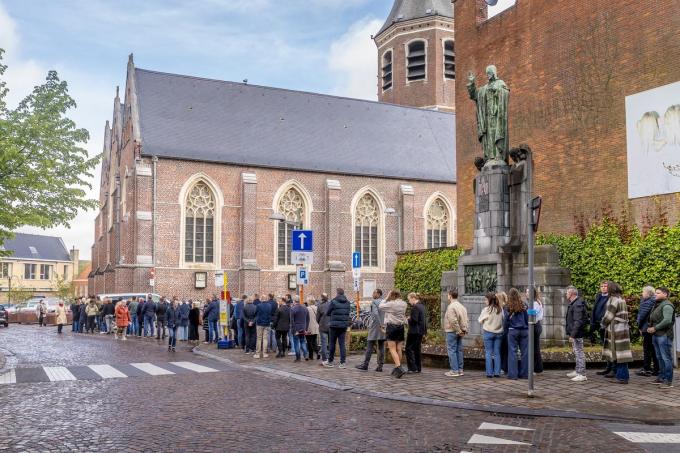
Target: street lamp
{"x":393,"y":213}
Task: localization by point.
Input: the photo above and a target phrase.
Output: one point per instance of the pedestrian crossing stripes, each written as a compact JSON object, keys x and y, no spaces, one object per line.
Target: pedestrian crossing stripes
{"x":650,"y":438}
{"x":100,"y":372}
{"x":479,"y":439}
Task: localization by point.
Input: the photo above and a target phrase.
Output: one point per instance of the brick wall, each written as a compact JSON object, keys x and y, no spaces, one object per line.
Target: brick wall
{"x":569,"y":65}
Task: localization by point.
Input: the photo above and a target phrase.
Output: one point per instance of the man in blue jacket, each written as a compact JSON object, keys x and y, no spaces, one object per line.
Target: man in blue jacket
{"x":213,"y":316}
{"x":299,"y":319}
{"x":240,"y":333}
{"x":338,"y":313}
{"x":149,"y":312}
{"x":263,"y":319}
{"x":651,"y":361}
{"x":599,"y":310}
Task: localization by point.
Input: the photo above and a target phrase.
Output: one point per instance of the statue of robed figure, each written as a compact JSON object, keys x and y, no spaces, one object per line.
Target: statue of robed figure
{"x":492,"y":115}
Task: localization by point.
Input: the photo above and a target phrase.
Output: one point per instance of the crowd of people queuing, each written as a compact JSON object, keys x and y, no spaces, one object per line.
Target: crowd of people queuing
{"x":287,"y":326}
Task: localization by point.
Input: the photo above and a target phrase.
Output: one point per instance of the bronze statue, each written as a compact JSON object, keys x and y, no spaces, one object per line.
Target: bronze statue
{"x":492,"y":115}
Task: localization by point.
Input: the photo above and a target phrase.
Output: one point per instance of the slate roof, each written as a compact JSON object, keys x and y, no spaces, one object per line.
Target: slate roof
{"x":47,"y":248}
{"x":200,"y":119}
{"x":403,"y":10}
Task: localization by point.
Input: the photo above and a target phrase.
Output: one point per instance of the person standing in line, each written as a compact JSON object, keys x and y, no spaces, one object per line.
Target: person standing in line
{"x":61,"y":316}
{"x":214,"y":320}
{"x":172,"y":320}
{"x":75,"y":315}
{"x":160,"y":318}
{"x":263,"y":319}
{"x":417,"y":329}
{"x":194,"y":321}
{"x":299,"y":319}
{"x":376,"y":335}
{"x":324,"y":326}
{"x":338,"y":314}
{"x":503,"y":301}
{"x":132,"y":309}
{"x":281,"y":325}
{"x":456,"y":327}
{"x":108,"y":311}
{"x":249,"y":319}
{"x":517,"y":323}
{"x":538,"y":329}
{"x":661,"y":324}
{"x":312,"y":330}
{"x":273,"y":306}
{"x":577,"y":318}
{"x":617,"y":334}
{"x":149,"y":317}
{"x":91,"y":310}
{"x":122,"y":317}
{"x":651,"y":361}
{"x":204,"y":320}
{"x":41,"y":312}
{"x":140,"y":316}
{"x":394,"y":318}
{"x":240,"y":333}
{"x":491,"y":320}
{"x":596,"y":321}
{"x":183,"y":320}
{"x":82,"y":317}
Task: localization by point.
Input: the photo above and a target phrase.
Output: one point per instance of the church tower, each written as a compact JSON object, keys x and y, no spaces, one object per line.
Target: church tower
{"x":416,"y":55}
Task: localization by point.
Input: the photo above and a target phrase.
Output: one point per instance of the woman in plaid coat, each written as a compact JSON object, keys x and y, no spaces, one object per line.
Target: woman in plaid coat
{"x":617,"y":338}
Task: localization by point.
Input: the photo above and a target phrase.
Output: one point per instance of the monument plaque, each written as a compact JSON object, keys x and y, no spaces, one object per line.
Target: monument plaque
{"x":480,"y":279}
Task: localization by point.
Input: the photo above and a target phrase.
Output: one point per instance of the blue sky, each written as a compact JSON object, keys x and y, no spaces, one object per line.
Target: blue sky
{"x":312,"y":45}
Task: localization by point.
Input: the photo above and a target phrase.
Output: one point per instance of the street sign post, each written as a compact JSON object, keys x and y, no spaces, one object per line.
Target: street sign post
{"x":302,"y":257}
{"x":219,"y":278}
{"x":303,"y":240}
{"x":302,"y":276}
{"x":356,"y":274}
{"x":356,"y":260}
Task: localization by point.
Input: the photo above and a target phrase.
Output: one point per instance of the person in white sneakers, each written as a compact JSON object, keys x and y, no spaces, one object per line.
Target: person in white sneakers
{"x":577,"y":318}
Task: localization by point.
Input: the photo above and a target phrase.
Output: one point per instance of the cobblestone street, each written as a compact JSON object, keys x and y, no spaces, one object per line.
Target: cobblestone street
{"x":91,"y":393}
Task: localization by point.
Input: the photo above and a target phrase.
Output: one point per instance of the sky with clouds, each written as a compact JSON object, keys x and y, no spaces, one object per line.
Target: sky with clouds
{"x":312,"y":45}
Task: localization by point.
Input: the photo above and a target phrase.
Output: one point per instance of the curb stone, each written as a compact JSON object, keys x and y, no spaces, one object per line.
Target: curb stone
{"x":493,"y":409}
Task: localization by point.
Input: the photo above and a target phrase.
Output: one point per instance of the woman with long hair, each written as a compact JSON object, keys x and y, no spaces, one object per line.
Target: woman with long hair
{"x":503,"y":301}
{"x":394,"y":310}
{"x":491,"y":320}
{"x":538,"y":328}
{"x":517,"y":324}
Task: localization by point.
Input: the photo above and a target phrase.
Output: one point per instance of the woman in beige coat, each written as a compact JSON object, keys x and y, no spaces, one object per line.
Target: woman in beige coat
{"x":61,"y":316}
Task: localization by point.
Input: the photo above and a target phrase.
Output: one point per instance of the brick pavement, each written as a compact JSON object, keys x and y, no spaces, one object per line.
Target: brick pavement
{"x":555,"y":393}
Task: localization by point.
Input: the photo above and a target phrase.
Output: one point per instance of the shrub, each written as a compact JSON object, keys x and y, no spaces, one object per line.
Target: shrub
{"x":421,"y":271}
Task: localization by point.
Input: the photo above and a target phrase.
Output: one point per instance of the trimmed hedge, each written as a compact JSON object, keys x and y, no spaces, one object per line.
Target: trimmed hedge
{"x":421,"y":271}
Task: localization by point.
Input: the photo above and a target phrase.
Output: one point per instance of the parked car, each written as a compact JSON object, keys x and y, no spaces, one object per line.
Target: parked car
{"x":4,"y":316}
{"x":32,"y":304}
{"x":14,"y":308}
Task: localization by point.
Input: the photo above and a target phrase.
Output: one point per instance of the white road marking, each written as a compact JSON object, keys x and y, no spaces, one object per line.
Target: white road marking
{"x":488,"y":440}
{"x":106,"y":371}
{"x":10,"y":377}
{"x":194,"y":367}
{"x":650,"y":438}
{"x":151,"y":369}
{"x":493,"y":426}
{"x":58,"y":373}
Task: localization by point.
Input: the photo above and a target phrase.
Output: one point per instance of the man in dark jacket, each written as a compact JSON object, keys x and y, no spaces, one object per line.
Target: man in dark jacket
{"x":240,"y":332}
{"x":662,"y":325}
{"x":577,"y":317}
{"x":417,"y":329}
{"x":149,"y":312}
{"x":249,"y":315}
{"x":160,"y":318}
{"x":651,"y":361}
{"x":338,"y":312}
{"x":299,"y":319}
{"x":75,"y":315}
{"x":263,"y":321}
{"x":108,"y":310}
{"x":212,"y":315}
{"x":281,"y":325}
{"x":82,"y":318}
{"x":140,"y":316}
{"x":324,"y":329}
{"x":599,"y":310}
{"x":272,"y":331}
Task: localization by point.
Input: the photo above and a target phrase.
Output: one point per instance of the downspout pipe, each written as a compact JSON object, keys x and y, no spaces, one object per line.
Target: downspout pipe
{"x":154,"y":159}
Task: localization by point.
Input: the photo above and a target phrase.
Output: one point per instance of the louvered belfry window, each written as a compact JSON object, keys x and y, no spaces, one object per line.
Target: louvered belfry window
{"x":449,"y":60}
{"x":416,"y":64}
{"x":387,"y":70}
{"x":199,"y":217}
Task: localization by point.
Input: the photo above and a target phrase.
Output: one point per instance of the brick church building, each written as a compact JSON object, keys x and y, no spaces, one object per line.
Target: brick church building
{"x":194,"y":169}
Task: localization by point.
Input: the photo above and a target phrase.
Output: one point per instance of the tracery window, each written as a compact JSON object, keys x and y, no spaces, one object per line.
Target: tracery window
{"x":292,"y":206}
{"x":437,"y":224}
{"x":199,"y":216}
{"x":366,"y":236}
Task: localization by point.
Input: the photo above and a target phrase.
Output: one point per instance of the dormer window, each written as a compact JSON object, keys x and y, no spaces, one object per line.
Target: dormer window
{"x":387,"y":70}
{"x":416,"y":64}
{"x":449,"y":60}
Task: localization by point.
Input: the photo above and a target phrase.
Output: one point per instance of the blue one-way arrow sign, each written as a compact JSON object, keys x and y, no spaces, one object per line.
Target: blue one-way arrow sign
{"x":356,"y":260}
{"x":303,"y":240}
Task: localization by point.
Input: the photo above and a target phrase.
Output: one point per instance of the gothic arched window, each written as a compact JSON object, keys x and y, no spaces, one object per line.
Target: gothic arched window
{"x":366,"y":231}
{"x":449,"y":60}
{"x":292,"y":206}
{"x":387,"y":70}
{"x":437,"y":224}
{"x":199,"y":215}
{"x":416,"y":64}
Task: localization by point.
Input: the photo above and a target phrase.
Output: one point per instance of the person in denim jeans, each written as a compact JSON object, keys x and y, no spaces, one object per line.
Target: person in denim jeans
{"x":491,"y":319}
{"x":324,"y":329}
{"x":661,"y":326}
{"x":517,"y":324}
{"x":456,"y":327}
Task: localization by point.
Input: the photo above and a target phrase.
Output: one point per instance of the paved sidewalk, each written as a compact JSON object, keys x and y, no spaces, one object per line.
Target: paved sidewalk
{"x":555,"y":394}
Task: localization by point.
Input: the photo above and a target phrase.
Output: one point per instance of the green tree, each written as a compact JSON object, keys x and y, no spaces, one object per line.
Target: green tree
{"x":44,"y":168}
{"x":19,"y":294}
{"x":65,"y":289}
